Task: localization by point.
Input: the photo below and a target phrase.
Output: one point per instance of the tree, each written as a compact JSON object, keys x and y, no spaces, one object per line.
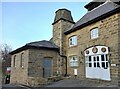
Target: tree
{"x":5,"y":57}
{"x":5,"y":49}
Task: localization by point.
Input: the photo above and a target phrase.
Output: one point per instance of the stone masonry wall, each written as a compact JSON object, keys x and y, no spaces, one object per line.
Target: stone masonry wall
{"x":18,"y":73}
{"x":108,"y":36}
{"x":35,"y":69}
{"x":58,"y":34}
{"x":60,"y":39}
{"x":119,"y":50}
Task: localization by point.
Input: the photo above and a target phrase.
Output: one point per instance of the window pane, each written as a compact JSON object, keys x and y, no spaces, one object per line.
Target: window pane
{"x":73,"y":41}
{"x":14,"y":59}
{"x":97,"y":58}
{"x":94,"y":33}
{"x":102,"y":58}
{"x":106,"y":64}
{"x":94,"y":59}
{"x":89,"y":58}
{"x":98,"y":64}
{"x":90,"y":64}
{"x":70,"y":41}
{"x":73,"y":61}
{"x":22,"y":60}
{"x":103,"y":64}
{"x":95,"y":64}
{"x":106,"y":57}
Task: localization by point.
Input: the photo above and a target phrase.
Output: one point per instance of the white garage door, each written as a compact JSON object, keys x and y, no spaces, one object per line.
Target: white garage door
{"x":97,"y":63}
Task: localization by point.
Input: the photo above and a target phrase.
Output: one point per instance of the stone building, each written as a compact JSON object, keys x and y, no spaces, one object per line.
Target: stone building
{"x":87,"y":49}
{"x":33,"y":63}
{"x":92,"y":44}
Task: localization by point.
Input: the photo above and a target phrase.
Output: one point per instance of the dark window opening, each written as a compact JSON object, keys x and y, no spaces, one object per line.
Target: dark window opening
{"x":97,"y":58}
{"x":89,"y":58}
{"x":90,"y":64}
{"x":103,"y":64}
{"x":94,"y":59}
{"x":94,"y":64}
{"x":106,"y":64}
{"x":102,"y":58}
{"x":14,"y":60}
{"x":98,"y":64}
{"x":106,"y":58}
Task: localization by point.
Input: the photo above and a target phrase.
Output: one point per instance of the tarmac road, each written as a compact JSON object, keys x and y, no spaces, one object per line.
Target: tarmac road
{"x":10,"y":86}
{"x":67,"y":84}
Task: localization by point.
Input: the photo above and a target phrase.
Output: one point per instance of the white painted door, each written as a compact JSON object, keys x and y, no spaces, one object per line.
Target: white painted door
{"x":97,"y":67}
{"x":104,"y":67}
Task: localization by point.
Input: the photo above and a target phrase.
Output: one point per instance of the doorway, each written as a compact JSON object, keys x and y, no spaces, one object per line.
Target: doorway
{"x":97,"y":64}
{"x":47,"y":67}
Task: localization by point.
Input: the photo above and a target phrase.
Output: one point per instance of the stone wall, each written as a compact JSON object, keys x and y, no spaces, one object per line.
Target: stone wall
{"x":31,"y":73}
{"x":19,"y":74}
{"x":35,"y":69}
{"x":119,"y":49}
{"x":58,"y":34}
{"x":60,"y":40}
{"x":108,"y":36}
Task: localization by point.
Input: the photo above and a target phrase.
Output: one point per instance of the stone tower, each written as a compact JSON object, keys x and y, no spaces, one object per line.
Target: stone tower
{"x":62,"y":22}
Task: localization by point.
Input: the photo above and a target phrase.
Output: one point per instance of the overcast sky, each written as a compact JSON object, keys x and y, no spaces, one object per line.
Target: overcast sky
{"x":24,"y":22}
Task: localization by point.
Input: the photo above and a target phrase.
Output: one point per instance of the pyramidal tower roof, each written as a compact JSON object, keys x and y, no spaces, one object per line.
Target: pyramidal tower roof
{"x":63,"y":14}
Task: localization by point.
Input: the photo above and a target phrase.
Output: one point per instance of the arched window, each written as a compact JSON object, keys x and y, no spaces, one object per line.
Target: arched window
{"x":94,"y":33}
{"x":14,"y":61}
{"x":97,"y":62}
{"x":22,"y":60}
{"x":73,"y":41}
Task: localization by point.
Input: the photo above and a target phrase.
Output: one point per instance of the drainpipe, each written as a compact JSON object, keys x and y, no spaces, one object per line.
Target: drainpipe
{"x":65,"y":62}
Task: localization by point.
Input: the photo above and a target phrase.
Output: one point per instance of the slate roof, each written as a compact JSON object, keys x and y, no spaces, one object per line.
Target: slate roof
{"x":63,"y":14}
{"x":99,"y":13}
{"x":37,"y":45}
{"x":41,"y":44}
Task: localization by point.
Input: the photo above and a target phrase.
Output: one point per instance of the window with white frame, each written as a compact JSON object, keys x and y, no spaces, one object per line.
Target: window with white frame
{"x":94,"y":33}
{"x":73,"y":41}
{"x":73,"y":61}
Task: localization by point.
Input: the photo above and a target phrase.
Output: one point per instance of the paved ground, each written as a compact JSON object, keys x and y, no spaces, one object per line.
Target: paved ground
{"x":67,"y":83}
{"x":80,"y":83}
{"x":10,"y":86}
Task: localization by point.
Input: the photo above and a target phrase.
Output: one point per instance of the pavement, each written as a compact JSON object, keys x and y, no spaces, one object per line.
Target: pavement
{"x":70,"y":83}
{"x":13,"y":86}
{"x":80,"y":83}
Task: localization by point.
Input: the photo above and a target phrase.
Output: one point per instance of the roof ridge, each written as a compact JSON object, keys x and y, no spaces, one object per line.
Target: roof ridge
{"x":35,"y":41}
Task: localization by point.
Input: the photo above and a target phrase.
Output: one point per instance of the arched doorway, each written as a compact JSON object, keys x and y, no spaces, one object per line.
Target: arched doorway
{"x":97,"y":63}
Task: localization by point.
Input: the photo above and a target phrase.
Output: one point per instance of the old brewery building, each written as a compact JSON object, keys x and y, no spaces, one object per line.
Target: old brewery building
{"x":89,"y":48}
